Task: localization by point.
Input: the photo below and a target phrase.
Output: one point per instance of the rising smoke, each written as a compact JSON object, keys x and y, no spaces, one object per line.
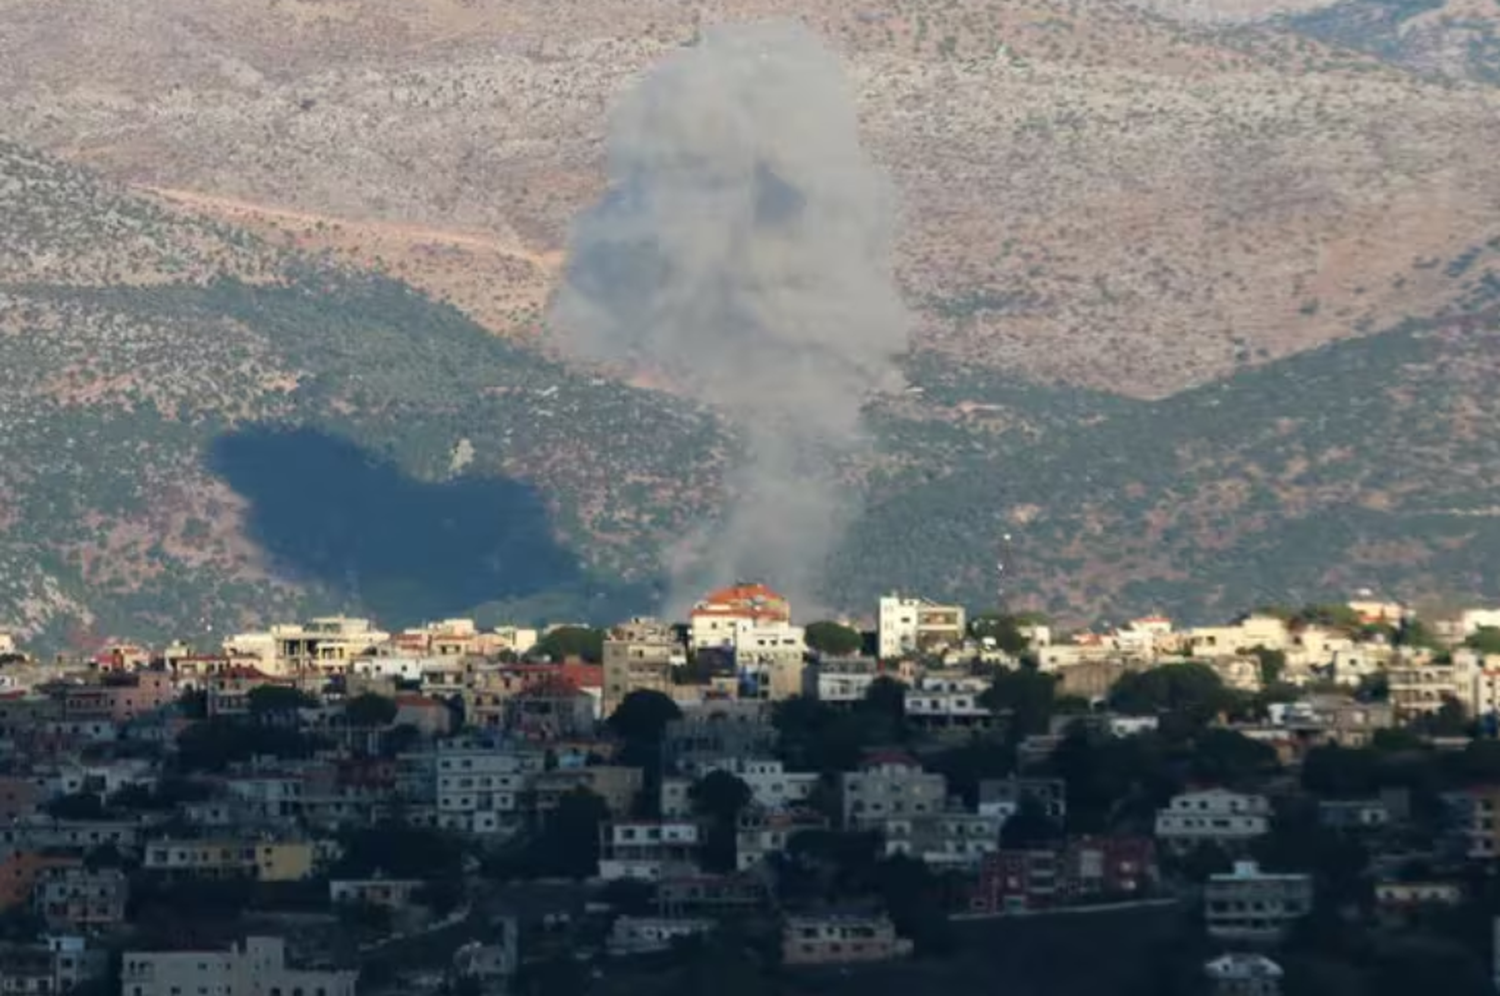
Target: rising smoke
{"x":742,"y":250}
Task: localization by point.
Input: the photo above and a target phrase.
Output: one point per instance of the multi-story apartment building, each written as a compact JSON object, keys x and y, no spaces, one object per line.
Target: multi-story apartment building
{"x":648,"y":850}
{"x":844,"y":681}
{"x":1248,"y":905}
{"x":116,"y":698}
{"x":889,"y":785}
{"x":946,"y":839}
{"x":763,"y":832}
{"x":1421,"y":687}
{"x":639,"y":655}
{"x":617,"y":785}
{"x":479,"y":789}
{"x":715,"y":735}
{"x":1474,"y":821}
{"x":268,"y":795}
{"x":256,"y":968}
{"x":325,"y":646}
{"x":75,"y":898}
{"x":718,"y":619}
{"x":43,"y":833}
{"x":1082,"y":869}
{"x":265,"y":860}
{"x":1217,"y":816}
{"x":840,"y":938}
{"x":942,"y":701}
{"x":915,"y":625}
{"x":554,"y":709}
{"x":771,"y":786}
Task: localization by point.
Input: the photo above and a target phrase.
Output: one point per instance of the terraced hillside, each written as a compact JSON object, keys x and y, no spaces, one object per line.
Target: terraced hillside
{"x":1096,"y":193}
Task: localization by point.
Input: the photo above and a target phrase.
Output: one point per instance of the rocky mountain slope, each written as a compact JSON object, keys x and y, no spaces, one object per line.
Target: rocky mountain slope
{"x":1368,"y":463}
{"x":198,"y":429}
{"x":1097,"y":194}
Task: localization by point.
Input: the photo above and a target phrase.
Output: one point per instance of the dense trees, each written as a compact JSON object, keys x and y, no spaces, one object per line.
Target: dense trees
{"x":1004,"y":630}
{"x":1026,"y":696}
{"x":1486,"y":640}
{"x":640,"y":721}
{"x":719,"y":797}
{"x":1029,"y":826}
{"x":568,"y":845}
{"x":832,"y":638}
{"x":1191,"y":694}
{"x":270,"y":702}
{"x":369,"y":711}
{"x":814,"y":735}
{"x":641,"y":718}
{"x":565,"y":642}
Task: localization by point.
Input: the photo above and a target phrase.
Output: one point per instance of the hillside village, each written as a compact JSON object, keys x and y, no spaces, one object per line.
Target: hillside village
{"x":324,"y":807}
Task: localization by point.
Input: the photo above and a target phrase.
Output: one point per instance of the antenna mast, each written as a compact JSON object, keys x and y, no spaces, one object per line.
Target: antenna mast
{"x":1002,"y":563}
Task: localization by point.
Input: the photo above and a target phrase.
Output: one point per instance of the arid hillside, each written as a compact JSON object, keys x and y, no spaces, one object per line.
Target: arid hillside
{"x":1104,"y":194}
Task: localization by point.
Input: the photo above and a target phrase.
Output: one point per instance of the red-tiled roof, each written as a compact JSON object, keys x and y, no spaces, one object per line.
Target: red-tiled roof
{"x":584,"y":675}
{"x":551,"y":687}
{"x":754,"y":600}
{"x":882,"y":757}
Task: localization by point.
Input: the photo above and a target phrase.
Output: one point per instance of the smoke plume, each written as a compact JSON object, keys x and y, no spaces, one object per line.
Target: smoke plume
{"x":742,"y":249}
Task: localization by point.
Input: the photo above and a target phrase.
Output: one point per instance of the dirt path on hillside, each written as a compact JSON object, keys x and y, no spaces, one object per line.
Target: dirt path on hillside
{"x":230,"y":207}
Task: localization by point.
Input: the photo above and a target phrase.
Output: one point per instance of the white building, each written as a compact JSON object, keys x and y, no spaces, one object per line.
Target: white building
{"x":404,"y":667}
{"x":771,"y":642}
{"x":948,"y":839}
{"x":722,"y":617}
{"x":649,"y":850}
{"x":1217,"y":816}
{"x":772,"y":787}
{"x":633,"y":935}
{"x":1252,"y":906}
{"x":258,"y":968}
{"x":479,"y":789}
{"x":1243,"y":974}
{"x":1471,"y":621}
{"x":945,"y":700}
{"x":911,"y":625}
{"x":889,"y":786}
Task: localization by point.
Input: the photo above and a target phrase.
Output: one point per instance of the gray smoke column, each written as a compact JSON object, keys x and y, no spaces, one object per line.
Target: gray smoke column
{"x":743,"y":250}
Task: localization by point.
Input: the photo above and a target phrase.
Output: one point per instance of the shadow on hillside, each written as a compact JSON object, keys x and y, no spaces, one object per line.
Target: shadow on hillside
{"x":327,"y":511}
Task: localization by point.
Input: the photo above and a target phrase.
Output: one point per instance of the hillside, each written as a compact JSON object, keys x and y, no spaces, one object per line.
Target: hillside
{"x":197,"y":428}
{"x":1094,"y":194}
{"x":1371,"y":463}
{"x":1457,"y":39}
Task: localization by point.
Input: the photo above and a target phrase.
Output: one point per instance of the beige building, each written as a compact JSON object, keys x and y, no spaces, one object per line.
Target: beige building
{"x":1229,"y":641}
{"x":320,"y":646}
{"x":1421,"y":687}
{"x":639,"y":655}
{"x":256,"y":968}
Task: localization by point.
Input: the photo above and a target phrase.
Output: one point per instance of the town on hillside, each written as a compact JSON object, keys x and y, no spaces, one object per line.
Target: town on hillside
{"x":1306,"y":799}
